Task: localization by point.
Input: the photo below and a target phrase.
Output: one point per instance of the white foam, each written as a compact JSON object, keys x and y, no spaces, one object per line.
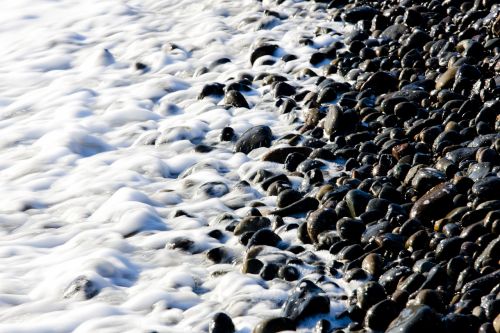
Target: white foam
{"x":97,"y":158}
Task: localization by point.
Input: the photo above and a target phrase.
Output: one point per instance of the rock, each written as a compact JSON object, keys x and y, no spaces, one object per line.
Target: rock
{"x":307,"y":299}
{"x":487,"y":188}
{"x":380,"y":315}
{"x":353,"y":15}
{"x":427,"y":178}
{"x":236,"y":99}
{"x":289,"y":273}
{"x":413,"y":319}
{"x":253,"y":138}
{"x":319,"y":221}
{"x":181,"y":243}
{"x":211,"y":89}
{"x":490,"y":253}
{"x":288,"y":197}
{"x":391,"y":277}
{"x":322,"y":326}
{"x":302,"y":206}
{"x":435,"y":203}
{"x":279,"y":155}
{"x":212,"y":190}
{"x":393,"y":32}
{"x":283,"y":89}
{"x":269,"y":271}
{"x":334,"y":120}
{"x":82,"y":288}
{"x":417,"y":241}
{"x":357,"y":201}
{"x":274,"y":325}
{"x":431,"y":298}
{"x":252,"y":223}
{"x":446,"y":79}
{"x":227,"y":134}
{"x":327,"y":94}
{"x":275,"y":179}
{"x":373,"y":263}
{"x":287,"y":105}
{"x":350,"y":229}
{"x":411,"y":283}
{"x":219,"y":255}
{"x":370,"y":294}
{"x":448,"y":248}
{"x":460,"y":154}
{"x":221,"y":323}
{"x":380,"y":83}
{"x":252,"y":266}
{"x":266,"y":49}
{"x":416,"y":40}
{"x":264,"y":237}
{"x":496,"y":322}
{"x":309,"y":164}
{"x":350,"y":253}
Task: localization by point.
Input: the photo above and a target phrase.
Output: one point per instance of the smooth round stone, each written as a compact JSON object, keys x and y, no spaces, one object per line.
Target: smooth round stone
{"x":420,"y":318}
{"x":275,"y":325}
{"x":253,"y":138}
{"x":319,"y":221}
{"x":370,"y":294}
{"x":373,"y":263}
{"x":307,"y":299}
{"x":350,"y":229}
{"x":236,"y":99}
{"x":380,"y":315}
{"x":252,"y":223}
{"x":221,"y":323}
{"x":357,"y":201}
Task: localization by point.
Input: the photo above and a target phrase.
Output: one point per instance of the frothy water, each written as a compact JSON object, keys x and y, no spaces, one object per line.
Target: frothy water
{"x":100,"y":177}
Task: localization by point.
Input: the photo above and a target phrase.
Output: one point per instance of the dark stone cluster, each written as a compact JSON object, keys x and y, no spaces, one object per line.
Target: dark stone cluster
{"x":415,"y":213}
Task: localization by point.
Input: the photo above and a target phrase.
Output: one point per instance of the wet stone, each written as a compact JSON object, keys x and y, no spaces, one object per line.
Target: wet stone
{"x":357,"y":201}
{"x":350,"y":229}
{"x":435,"y":203}
{"x":356,"y":14}
{"x":487,"y":188}
{"x":319,"y":221}
{"x":380,"y":315}
{"x":252,"y":223}
{"x":416,"y":319}
{"x":279,"y":155}
{"x":263,"y":50}
{"x":221,"y":323}
{"x":81,"y":287}
{"x":264,"y":237}
{"x":275,"y":325}
{"x":253,"y":138}
{"x":236,"y":99}
{"x":287,"y":197}
{"x":307,"y":299}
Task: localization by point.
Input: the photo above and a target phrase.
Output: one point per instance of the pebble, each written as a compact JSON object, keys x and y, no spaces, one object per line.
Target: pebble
{"x":380,"y":315}
{"x":370,"y":294}
{"x":236,"y":99}
{"x":253,"y":138}
{"x":435,"y":203}
{"x":274,"y":325}
{"x":252,"y":223}
{"x":307,"y":299}
{"x":81,"y":287}
{"x":418,"y":318}
{"x":221,"y":323}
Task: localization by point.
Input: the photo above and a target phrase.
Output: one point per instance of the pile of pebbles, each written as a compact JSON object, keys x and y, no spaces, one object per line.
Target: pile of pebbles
{"x":414,"y":216}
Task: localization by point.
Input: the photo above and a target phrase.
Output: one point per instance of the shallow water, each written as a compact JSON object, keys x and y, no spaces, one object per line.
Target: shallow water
{"x":97,"y":157}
